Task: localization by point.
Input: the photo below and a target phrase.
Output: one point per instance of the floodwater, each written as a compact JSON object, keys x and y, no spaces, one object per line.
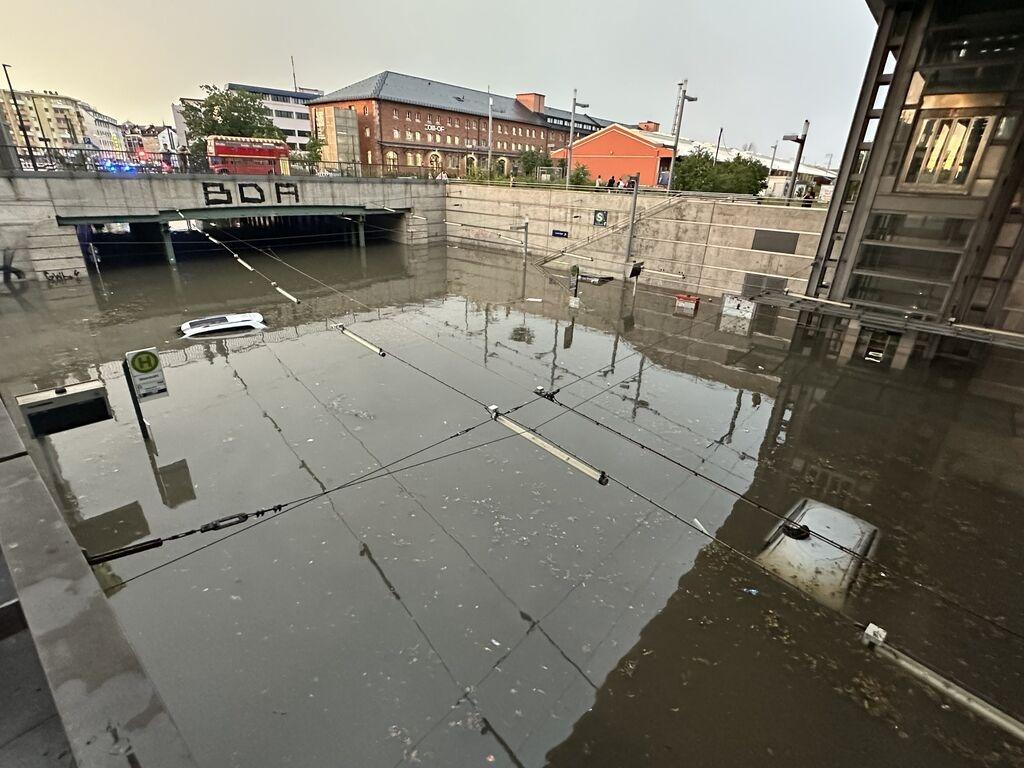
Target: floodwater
{"x":482,"y":603}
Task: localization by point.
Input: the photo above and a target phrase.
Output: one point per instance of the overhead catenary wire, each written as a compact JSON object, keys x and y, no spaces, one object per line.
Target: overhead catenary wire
{"x":221,"y":523}
{"x":249,"y":267}
{"x":994,"y":714}
{"x":260,"y":515}
{"x":949,"y":600}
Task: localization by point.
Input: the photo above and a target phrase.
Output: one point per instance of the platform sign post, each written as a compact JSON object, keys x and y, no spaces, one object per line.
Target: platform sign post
{"x":145,"y":377}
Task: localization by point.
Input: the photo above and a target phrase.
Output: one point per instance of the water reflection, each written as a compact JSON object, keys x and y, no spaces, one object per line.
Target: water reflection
{"x":496,"y":607}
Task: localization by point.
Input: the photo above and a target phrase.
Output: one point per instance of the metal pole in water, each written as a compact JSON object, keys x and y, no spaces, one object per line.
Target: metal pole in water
{"x":632,"y":223}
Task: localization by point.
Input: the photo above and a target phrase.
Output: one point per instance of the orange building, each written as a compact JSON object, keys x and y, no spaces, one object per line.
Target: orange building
{"x":619,"y":151}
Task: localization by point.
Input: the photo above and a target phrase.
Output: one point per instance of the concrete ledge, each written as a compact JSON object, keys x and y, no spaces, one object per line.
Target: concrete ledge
{"x":10,"y":441}
{"x":110,"y":709}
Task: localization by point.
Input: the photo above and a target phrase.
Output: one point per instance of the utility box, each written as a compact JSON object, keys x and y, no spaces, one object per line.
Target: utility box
{"x":687,"y":304}
{"x":56,"y":410}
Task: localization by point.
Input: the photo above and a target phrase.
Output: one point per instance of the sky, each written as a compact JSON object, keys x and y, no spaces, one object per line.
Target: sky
{"x":757,"y":67}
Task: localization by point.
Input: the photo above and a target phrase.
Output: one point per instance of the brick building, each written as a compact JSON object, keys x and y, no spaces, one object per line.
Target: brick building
{"x":411,"y":121}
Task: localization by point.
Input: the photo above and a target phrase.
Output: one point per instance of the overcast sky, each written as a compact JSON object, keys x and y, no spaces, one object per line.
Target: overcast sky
{"x":758,"y":67}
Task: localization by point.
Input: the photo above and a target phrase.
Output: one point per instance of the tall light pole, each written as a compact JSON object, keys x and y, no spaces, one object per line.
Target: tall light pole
{"x":719,"y":144}
{"x":680,"y":104}
{"x":21,"y":120}
{"x":572,"y":133}
{"x":490,"y":128}
{"x":799,"y":141}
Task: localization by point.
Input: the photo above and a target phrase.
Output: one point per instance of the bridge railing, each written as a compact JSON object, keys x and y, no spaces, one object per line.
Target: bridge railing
{"x":129,"y":163}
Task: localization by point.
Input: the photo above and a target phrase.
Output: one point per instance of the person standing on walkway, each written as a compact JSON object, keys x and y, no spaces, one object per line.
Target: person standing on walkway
{"x":599,"y":182}
{"x":611,"y":182}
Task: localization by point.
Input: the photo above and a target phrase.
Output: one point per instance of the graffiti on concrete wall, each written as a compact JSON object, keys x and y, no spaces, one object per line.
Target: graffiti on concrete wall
{"x":250,"y":193}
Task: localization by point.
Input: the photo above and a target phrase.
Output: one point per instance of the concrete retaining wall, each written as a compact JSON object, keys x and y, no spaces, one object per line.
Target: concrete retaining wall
{"x":699,"y":245}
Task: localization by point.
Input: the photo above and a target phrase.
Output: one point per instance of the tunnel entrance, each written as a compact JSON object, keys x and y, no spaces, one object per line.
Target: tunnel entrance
{"x":117,"y":243}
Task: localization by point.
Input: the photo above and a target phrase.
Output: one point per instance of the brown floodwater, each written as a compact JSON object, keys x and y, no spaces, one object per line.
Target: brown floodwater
{"x":483,"y":603}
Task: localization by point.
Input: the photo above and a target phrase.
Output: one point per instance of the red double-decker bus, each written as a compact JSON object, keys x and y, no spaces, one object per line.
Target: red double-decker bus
{"x":242,"y":155}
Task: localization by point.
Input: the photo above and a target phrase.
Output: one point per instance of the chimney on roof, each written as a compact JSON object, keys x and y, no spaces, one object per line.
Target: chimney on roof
{"x":532,"y":101}
{"x":650,"y":126}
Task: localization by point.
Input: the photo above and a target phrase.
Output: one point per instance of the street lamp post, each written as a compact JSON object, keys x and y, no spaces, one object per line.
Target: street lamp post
{"x":490,"y":128}
{"x":680,"y":104}
{"x":572,"y":133}
{"x":799,"y":141}
{"x":525,"y":229}
{"x":21,"y":120}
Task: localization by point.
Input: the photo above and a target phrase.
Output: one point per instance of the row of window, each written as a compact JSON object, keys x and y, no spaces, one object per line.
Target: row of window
{"x":432,"y":138}
{"x":293,"y":132}
{"x":518,"y":130}
{"x":433,"y":159}
{"x":286,"y":99}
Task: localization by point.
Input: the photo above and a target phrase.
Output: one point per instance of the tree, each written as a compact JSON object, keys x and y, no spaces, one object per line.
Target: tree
{"x":312,"y":154}
{"x":695,"y":172}
{"x":580,"y":176}
{"x":226,"y":113}
{"x":698,"y":172}
{"x":531,"y":160}
{"x":743,"y":175}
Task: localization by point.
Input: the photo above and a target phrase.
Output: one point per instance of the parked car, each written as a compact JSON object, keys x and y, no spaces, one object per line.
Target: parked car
{"x":218,"y":324}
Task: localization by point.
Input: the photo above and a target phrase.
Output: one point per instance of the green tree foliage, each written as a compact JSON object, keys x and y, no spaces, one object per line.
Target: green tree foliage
{"x":312,"y":154}
{"x":698,"y":172}
{"x":580,"y":176}
{"x":531,"y":160}
{"x":226,"y":113}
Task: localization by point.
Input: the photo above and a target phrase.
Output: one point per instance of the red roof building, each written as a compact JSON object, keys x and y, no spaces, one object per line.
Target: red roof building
{"x":619,"y":151}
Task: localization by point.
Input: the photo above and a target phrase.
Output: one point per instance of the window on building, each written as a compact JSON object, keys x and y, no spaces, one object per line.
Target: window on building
{"x":408,"y":135}
{"x":453,"y":161}
{"x":366,"y":111}
{"x":417,"y":135}
{"x":281,"y":99}
{"x":542,"y":134}
{"x":283,"y":113}
{"x":408,"y":114}
{"x":395,"y":133}
{"x":456,"y":122}
{"x":408,"y":158}
{"x":449,"y":120}
{"x":304,"y":133}
{"x":419,"y":159}
{"x":448,"y":139}
{"x":417,"y":117}
{"x":366,"y":132}
{"x":456,"y":140}
{"x":394,"y":114}
{"x":946,"y":150}
{"x":391,"y":160}
{"x":369,"y":157}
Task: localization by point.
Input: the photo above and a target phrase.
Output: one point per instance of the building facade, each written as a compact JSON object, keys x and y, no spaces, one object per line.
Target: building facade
{"x":644,"y":151}
{"x":149,"y":138}
{"x":927,"y":223}
{"x":53,"y":121}
{"x":406,"y":121}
